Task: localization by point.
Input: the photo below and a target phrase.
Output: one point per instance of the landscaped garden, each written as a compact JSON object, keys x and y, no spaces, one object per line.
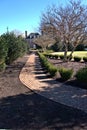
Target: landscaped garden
{"x":64,"y":31}
{"x":62,"y":51}
{"x":72,"y":72}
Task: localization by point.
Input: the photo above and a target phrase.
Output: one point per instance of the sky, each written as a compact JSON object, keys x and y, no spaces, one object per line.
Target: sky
{"x":24,"y":15}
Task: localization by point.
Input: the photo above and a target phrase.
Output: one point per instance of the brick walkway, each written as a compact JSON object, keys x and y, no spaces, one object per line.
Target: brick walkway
{"x":34,"y":78}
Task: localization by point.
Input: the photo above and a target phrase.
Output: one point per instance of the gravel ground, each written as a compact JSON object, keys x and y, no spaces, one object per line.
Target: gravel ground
{"x":21,"y":108}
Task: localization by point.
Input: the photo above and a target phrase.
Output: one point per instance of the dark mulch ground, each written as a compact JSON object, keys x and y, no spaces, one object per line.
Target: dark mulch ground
{"x":70,"y":65}
{"x":20,"y":108}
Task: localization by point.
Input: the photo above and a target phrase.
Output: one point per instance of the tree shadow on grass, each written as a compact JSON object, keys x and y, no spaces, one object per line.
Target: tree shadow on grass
{"x":32,"y":111}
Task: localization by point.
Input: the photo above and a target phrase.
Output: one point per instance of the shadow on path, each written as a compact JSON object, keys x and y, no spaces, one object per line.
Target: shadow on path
{"x":31,"y":111}
{"x":60,"y":92}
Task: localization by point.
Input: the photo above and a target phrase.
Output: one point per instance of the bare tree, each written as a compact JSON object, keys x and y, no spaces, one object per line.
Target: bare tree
{"x":69,"y":23}
{"x":44,"y":41}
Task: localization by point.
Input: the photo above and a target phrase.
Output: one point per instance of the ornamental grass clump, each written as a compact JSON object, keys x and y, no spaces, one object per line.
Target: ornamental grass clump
{"x":81,"y":74}
{"x":65,"y":73}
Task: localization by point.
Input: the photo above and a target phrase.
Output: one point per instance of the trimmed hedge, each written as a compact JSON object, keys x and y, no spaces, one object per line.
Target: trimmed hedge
{"x":48,"y":66}
{"x":65,"y":73}
{"x":81,"y":74}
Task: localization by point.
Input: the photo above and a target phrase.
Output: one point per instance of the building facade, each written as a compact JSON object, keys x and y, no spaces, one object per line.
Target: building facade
{"x":29,"y":38}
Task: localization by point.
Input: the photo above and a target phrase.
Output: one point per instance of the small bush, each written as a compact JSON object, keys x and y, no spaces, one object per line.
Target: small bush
{"x":56,"y":56}
{"x":52,"y":70}
{"x":77,"y":59}
{"x":85,"y":59}
{"x":48,"y":66}
{"x":48,"y":55}
{"x":52,"y":56}
{"x":69,"y":57}
{"x":81,"y":74}
{"x":61,"y":57}
{"x":65,"y":73}
{"x":2,"y":66}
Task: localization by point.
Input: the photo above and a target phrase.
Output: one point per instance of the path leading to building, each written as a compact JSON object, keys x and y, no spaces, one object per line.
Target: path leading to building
{"x":35,"y":79}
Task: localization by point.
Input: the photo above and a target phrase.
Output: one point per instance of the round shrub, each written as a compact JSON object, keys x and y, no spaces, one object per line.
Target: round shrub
{"x":77,"y":59}
{"x":65,"y":73}
{"x":61,"y":57}
{"x":49,"y":55}
{"x":52,"y":70}
{"x":56,"y":56}
{"x":85,"y":59}
{"x":81,"y":74}
{"x":69,"y":57}
{"x":2,"y":66}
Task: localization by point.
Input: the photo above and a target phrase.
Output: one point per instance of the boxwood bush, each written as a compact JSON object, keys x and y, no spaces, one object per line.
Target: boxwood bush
{"x":48,"y":66}
{"x":52,"y":70}
{"x":43,"y":60}
{"x":85,"y":59}
{"x":81,"y":74}
{"x":69,"y":57}
{"x":77,"y":58}
{"x":65,"y":73}
{"x":56,"y":56}
{"x":61,"y":57}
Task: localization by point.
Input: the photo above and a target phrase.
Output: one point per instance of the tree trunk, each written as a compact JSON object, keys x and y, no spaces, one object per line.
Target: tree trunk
{"x":65,"y":53}
{"x":70,"y":56}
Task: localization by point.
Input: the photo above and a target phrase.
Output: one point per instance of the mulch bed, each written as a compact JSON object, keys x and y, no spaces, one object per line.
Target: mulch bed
{"x":70,"y":65}
{"x":20,"y":108}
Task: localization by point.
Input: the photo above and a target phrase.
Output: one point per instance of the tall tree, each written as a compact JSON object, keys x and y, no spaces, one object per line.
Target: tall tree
{"x":69,"y":23}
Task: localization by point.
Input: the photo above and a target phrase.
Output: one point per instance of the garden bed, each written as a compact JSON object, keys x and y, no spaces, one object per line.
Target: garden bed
{"x":70,"y":65}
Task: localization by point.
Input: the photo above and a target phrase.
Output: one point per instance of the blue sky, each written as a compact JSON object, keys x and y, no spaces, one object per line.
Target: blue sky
{"x":24,"y":14}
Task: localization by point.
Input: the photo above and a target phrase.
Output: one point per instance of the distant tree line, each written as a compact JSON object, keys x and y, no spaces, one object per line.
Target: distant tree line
{"x":11,"y":47}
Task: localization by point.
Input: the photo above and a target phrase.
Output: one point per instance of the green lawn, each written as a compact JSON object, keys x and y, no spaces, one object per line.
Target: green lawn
{"x":76,"y":53}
